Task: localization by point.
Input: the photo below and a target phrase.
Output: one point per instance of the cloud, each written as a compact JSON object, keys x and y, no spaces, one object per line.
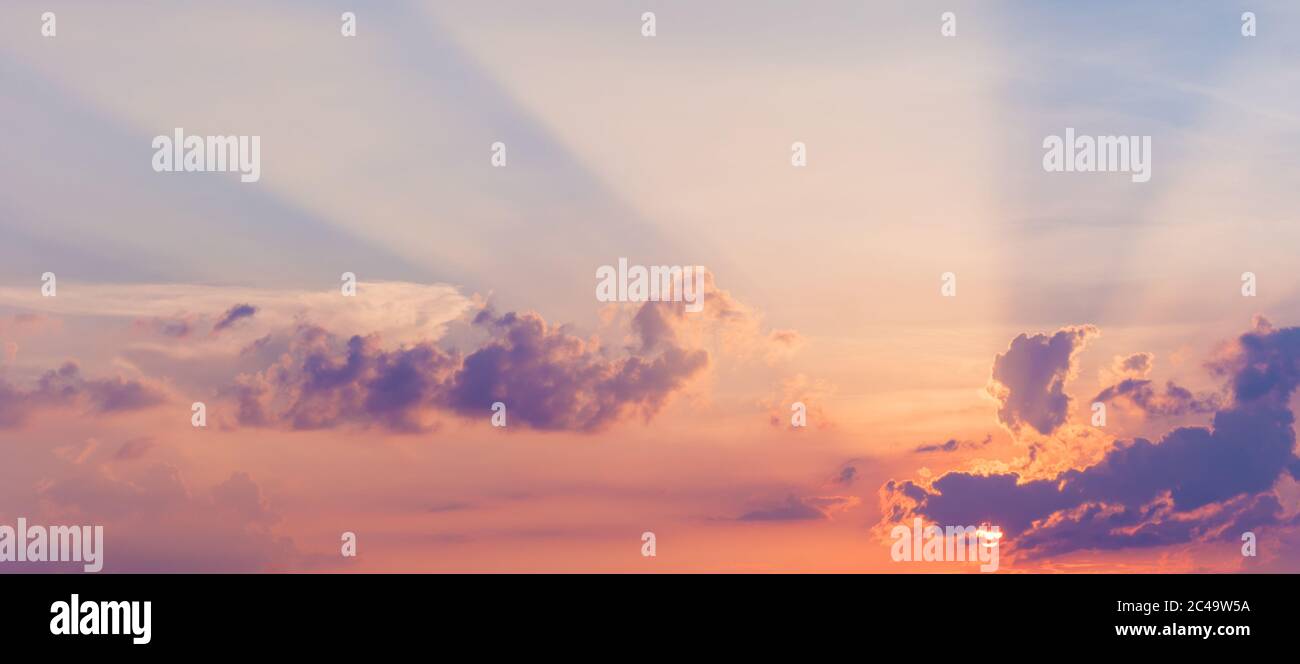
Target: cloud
{"x":234,"y":315}
{"x":400,"y":312}
{"x":1137,"y":365}
{"x":65,"y":387}
{"x":77,"y":453}
{"x":1028,"y":380}
{"x":175,"y":328}
{"x":322,"y":383}
{"x":952,"y":445}
{"x":1174,"y":401}
{"x":548,"y":378}
{"x":316,"y":360}
{"x":736,"y":327}
{"x":799,"y":388}
{"x":552,"y":380}
{"x":847,"y":476}
{"x":240,"y":495}
{"x":133,"y":449}
{"x":1194,"y":484}
{"x":153,"y":522}
{"x":802,"y":509}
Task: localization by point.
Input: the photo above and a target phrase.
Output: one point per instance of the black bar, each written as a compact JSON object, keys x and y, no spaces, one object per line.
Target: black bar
{"x":991,"y":614}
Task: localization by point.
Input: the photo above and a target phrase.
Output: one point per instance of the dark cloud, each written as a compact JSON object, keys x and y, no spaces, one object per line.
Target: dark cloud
{"x":847,"y":476}
{"x":1174,"y":401}
{"x":1266,"y":368}
{"x":1029,"y":379}
{"x":234,"y":315}
{"x":552,"y":380}
{"x":1196,"y":483}
{"x":952,"y":445}
{"x":548,"y":378}
{"x":317,"y":385}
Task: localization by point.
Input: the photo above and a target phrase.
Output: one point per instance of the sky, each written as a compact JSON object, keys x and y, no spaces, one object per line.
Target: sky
{"x":946,"y":311}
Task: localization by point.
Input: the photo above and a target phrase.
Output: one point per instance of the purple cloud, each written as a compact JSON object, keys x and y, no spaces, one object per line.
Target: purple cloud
{"x":234,"y":315}
{"x":952,"y":445}
{"x":1174,"y":401}
{"x":1196,"y":483}
{"x":552,"y":380}
{"x":318,"y":385}
{"x":548,"y":378}
{"x":65,"y":387}
{"x":1028,"y":380}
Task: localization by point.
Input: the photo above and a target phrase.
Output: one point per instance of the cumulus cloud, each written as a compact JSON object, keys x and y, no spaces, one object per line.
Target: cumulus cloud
{"x":66,"y":387}
{"x":1193,"y":484}
{"x":548,"y":378}
{"x":735,"y":326}
{"x":552,"y":380}
{"x":302,"y":361}
{"x":321,"y":382}
{"x":1028,"y":380}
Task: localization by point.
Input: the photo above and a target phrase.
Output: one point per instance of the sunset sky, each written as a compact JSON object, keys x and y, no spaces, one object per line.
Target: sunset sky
{"x":371,"y":414}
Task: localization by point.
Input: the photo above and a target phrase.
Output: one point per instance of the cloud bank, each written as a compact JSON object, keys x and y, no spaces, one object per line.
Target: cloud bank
{"x":1193,"y":484}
